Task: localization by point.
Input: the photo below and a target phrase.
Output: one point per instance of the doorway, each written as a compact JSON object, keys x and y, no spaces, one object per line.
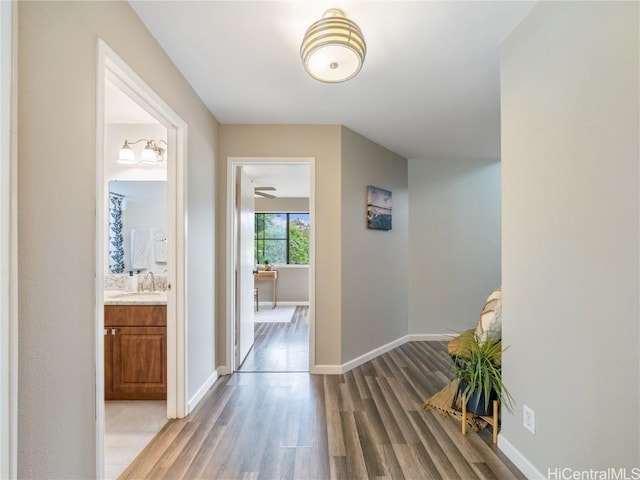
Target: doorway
{"x":112,"y":72}
{"x":286,"y":317}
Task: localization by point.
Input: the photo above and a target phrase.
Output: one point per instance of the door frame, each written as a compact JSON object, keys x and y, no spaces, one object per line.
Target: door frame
{"x":8,"y":241}
{"x":111,"y":67}
{"x":231,"y":253}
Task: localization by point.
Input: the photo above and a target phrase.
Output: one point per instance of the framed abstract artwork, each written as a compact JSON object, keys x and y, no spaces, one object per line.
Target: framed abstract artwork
{"x":378,"y":208}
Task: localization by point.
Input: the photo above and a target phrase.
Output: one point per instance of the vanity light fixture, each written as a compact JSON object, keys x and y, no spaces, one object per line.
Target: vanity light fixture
{"x":152,"y":154}
{"x":333,"y":49}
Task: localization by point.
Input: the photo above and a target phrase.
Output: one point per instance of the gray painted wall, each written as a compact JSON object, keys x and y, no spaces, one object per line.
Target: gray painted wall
{"x":454,"y":242}
{"x":374,"y":262}
{"x":56,"y":209}
{"x":345,"y":164}
{"x":570,"y":136}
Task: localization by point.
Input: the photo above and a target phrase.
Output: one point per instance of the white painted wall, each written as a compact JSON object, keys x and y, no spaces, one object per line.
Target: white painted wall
{"x":374,"y":262}
{"x":293,"y":285}
{"x":454,"y":242}
{"x":56,"y":208}
{"x":571,"y":206}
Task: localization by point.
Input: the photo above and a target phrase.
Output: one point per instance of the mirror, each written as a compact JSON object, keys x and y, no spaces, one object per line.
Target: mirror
{"x":137,"y":226}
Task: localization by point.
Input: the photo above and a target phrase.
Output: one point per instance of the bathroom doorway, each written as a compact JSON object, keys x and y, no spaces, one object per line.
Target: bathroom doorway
{"x":140,"y":253}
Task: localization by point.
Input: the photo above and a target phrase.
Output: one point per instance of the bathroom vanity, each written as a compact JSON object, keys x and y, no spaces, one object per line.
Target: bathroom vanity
{"x":135,"y":346}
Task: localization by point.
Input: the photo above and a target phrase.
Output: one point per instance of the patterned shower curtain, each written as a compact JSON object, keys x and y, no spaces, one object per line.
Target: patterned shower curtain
{"x":116,"y":241}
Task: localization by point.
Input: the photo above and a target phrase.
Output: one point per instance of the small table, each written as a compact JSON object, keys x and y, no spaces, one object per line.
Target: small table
{"x":269,"y":275}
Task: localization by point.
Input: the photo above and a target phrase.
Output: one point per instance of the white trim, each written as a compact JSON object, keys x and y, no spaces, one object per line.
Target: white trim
{"x":431,"y":337}
{"x":8,"y":241}
{"x":232,"y":162}
{"x":202,"y":390}
{"x":519,"y":460}
{"x":376,"y":352}
{"x":268,"y":304}
{"x":328,"y":370}
{"x":101,"y":245}
{"x":364,"y":358}
{"x":223,"y":370}
{"x":110,"y":66}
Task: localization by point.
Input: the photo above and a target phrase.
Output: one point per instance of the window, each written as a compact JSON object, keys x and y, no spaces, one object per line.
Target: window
{"x":282,"y":238}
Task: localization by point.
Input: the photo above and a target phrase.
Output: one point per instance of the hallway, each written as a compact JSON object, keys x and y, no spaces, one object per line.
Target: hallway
{"x":280,"y":346}
{"x":365,"y":423}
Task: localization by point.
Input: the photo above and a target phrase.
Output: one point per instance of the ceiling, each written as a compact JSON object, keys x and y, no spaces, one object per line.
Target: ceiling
{"x":121,"y":109}
{"x":429,"y":87}
{"x":290,"y":181}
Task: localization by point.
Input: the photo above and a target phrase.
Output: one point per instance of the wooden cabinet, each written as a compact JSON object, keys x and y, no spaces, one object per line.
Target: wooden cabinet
{"x":135,"y":351}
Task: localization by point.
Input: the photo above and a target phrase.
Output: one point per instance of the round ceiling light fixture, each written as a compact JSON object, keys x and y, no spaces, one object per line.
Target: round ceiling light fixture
{"x":333,"y":49}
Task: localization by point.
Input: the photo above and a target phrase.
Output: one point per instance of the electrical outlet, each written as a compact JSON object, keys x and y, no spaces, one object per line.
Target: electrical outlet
{"x":529,"y":419}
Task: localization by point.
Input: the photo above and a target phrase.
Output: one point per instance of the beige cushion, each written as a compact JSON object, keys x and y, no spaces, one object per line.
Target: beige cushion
{"x":489,"y":325}
{"x":497,"y":293}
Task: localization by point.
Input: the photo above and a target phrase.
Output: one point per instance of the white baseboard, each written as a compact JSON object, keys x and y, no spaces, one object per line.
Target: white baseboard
{"x":326,"y":370}
{"x":291,"y":304}
{"x":376,"y":352}
{"x":356,"y":362}
{"x":204,"y":388}
{"x":431,"y":337}
{"x":519,"y":460}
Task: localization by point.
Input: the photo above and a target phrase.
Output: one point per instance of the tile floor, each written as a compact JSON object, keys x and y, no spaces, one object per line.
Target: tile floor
{"x":129,"y":427}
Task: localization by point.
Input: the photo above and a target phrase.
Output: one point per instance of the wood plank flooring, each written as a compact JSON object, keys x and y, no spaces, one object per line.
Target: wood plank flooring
{"x":280,"y":347}
{"x":367,"y":423}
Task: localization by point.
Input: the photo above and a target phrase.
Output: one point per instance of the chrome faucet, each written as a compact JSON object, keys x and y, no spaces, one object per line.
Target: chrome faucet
{"x":153,"y":280}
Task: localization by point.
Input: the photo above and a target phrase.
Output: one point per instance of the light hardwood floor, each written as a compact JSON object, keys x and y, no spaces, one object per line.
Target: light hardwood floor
{"x":280,"y":347}
{"x":367,"y":423}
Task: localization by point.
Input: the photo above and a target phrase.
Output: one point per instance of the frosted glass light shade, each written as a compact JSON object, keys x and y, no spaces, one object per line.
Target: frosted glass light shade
{"x":126,"y":156}
{"x":333,"y":48}
{"x":148,"y":155}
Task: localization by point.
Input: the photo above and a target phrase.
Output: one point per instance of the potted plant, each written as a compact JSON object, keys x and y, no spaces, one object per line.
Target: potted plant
{"x":478,"y":368}
{"x":266,"y":265}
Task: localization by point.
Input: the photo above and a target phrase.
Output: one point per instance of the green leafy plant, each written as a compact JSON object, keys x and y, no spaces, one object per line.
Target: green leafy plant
{"x":478,"y":366}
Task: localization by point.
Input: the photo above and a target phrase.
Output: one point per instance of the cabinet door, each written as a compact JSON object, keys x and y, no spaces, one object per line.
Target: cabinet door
{"x":108,"y":364}
{"x":140,"y":363}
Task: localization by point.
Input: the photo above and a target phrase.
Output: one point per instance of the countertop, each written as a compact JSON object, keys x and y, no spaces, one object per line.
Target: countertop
{"x":119,"y":297}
